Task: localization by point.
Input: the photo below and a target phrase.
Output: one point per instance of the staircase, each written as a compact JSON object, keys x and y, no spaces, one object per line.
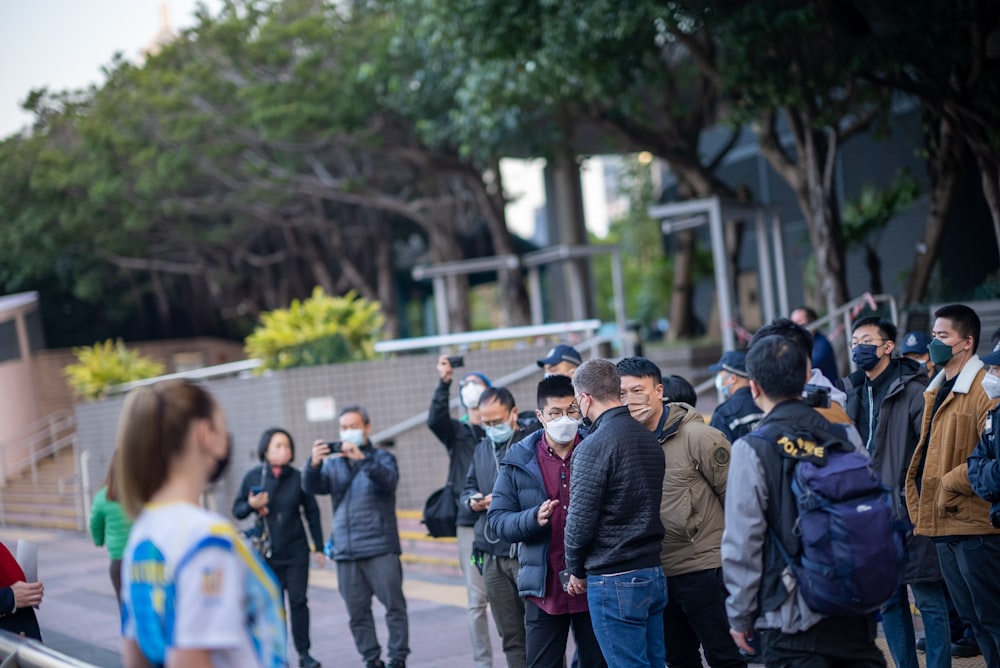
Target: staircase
{"x":52,"y":502}
{"x":422,"y":554}
{"x":39,"y":485}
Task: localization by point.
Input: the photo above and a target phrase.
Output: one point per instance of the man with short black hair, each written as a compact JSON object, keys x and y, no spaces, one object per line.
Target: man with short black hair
{"x":939,"y":495}
{"x":885,"y":399}
{"x":737,"y":415}
{"x":760,"y":509}
{"x":561,"y":360}
{"x":613,"y":528}
{"x":696,"y":465}
{"x":498,"y":417}
{"x":530,"y":500}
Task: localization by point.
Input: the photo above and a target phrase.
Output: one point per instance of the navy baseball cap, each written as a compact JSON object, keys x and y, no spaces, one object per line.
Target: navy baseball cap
{"x":993,"y":358}
{"x":915,"y":342}
{"x":561,"y":353}
{"x":733,"y":361}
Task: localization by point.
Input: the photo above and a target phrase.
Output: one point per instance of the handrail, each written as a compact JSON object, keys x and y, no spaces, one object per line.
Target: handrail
{"x":57,"y":434}
{"x":20,"y":652}
{"x":38,"y":425}
{"x":525,"y":332}
{"x":217,"y":371}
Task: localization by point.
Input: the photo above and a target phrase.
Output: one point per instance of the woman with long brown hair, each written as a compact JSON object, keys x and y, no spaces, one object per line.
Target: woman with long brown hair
{"x":193,"y":593}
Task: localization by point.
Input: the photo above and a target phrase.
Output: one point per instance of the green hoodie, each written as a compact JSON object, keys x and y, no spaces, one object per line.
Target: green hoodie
{"x":109,"y":524}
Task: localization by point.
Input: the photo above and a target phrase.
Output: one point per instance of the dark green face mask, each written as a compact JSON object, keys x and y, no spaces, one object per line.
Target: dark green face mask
{"x":940,"y":352}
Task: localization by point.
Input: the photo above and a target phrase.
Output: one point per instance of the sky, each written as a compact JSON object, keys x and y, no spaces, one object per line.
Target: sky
{"x":63,"y":44}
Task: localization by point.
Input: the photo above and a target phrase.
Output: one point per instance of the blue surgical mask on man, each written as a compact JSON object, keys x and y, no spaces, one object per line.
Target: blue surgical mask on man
{"x":865,"y":355}
{"x":355,"y":436}
{"x":499,"y":433}
{"x":721,"y":387}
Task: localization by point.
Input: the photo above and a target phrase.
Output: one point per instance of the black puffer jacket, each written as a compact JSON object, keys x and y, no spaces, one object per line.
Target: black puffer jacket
{"x":896,"y":434}
{"x":459,"y":439}
{"x":286,"y":503}
{"x":613,"y":521}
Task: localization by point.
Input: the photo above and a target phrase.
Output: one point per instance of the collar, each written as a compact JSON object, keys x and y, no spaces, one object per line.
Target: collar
{"x":963,"y":381}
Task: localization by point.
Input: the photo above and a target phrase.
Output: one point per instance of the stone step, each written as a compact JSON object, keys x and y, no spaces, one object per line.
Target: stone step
{"x":41,"y":521}
{"x":67,"y":509}
{"x":423,"y":554}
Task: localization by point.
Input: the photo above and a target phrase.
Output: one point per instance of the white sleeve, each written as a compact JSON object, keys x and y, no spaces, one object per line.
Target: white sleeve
{"x":209,"y":596}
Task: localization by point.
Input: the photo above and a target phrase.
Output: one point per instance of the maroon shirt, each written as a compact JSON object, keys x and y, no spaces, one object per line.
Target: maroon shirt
{"x":555,"y":476}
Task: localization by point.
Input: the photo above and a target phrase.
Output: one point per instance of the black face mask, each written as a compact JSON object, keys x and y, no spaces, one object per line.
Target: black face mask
{"x":222,"y":464}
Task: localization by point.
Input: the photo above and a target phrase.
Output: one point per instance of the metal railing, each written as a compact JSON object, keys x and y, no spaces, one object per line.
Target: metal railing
{"x":51,"y":434}
{"x":18,"y":652}
{"x":204,"y":373}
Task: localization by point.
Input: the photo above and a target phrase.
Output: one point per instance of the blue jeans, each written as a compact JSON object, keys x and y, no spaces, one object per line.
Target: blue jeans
{"x":932,"y":602}
{"x":627,"y":613}
{"x":898,"y":626}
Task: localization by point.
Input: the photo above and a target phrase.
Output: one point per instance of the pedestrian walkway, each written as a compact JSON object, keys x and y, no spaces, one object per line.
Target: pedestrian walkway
{"x":78,"y":615}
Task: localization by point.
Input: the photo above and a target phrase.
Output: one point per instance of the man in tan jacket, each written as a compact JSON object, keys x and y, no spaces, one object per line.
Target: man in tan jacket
{"x":939,"y":496}
{"x":693,"y":517}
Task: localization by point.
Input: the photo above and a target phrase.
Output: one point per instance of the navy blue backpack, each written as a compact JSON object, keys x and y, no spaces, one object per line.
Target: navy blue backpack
{"x":853,"y":548}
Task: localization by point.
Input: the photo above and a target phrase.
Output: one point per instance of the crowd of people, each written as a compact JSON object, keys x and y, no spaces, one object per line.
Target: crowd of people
{"x":612,"y":510}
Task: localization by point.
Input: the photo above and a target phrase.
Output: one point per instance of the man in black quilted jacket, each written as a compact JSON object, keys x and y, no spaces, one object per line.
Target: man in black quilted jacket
{"x":613,"y":528}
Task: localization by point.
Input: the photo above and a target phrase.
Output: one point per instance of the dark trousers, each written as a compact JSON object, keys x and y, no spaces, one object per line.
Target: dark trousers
{"x":545,"y":637}
{"x":500,"y":577}
{"x":115,"y":570}
{"x":970,"y":567}
{"x":833,"y":642}
{"x":696,"y":616}
{"x":381,"y":577}
{"x":294,"y":580}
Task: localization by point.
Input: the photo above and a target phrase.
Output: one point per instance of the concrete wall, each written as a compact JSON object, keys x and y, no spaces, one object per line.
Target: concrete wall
{"x":392,"y":391}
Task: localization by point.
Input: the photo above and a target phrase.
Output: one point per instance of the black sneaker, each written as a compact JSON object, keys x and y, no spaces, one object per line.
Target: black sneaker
{"x":397,"y":663}
{"x":374,"y":663}
{"x":306,"y":661}
{"x":965,"y":648}
{"x":921,"y":644}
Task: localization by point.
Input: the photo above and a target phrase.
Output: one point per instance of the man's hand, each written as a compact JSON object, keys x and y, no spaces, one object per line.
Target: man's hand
{"x":545,"y":511}
{"x":351,"y":451}
{"x":27,"y":594}
{"x":576,"y":586}
{"x":320,"y":451}
{"x":742,"y":640}
{"x":319,"y":558}
{"x":480,"y":504}
{"x":444,"y":369}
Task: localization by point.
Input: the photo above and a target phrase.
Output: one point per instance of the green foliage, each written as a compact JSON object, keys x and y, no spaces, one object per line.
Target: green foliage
{"x":105,"y":365}
{"x":869,"y":213}
{"x":315,"y":331}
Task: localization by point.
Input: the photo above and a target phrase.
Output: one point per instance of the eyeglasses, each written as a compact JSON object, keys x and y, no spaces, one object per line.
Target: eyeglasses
{"x":867,"y":341}
{"x":555,"y":413}
{"x":495,"y":423}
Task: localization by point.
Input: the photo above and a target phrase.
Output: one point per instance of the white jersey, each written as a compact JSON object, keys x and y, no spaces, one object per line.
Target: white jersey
{"x":190,"y":582}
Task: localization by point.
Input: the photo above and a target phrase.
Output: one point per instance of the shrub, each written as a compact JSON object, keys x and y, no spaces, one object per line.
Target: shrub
{"x":105,"y":365}
{"x":315,"y":331}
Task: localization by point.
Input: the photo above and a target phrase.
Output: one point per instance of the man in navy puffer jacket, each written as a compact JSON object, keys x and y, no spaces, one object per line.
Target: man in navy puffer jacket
{"x":530,"y":499}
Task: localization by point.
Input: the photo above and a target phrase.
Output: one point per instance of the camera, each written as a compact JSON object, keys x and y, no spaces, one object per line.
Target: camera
{"x":816,"y":396}
{"x":456,"y":361}
{"x":335,"y":446}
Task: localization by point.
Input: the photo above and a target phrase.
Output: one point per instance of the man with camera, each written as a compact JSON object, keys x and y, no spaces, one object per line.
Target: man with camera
{"x":459,"y":438}
{"x":361,"y":481}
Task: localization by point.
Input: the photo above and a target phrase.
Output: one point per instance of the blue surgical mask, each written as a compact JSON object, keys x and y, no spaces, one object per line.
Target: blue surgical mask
{"x":724,"y":390}
{"x":499,"y":433}
{"x":865,"y":355}
{"x":355,"y":436}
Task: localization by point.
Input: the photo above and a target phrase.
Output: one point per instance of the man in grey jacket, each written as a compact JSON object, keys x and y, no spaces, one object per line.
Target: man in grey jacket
{"x":361,"y":481}
{"x":763,"y":595}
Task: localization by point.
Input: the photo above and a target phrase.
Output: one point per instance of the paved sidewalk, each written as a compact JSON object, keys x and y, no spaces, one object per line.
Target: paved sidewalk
{"x":78,"y":615}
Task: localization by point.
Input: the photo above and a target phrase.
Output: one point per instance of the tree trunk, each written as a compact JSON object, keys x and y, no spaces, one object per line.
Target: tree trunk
{"x":943,"y":172}
{"x":680,"y":301}
{"x":515,"y":309}
{"x":990,"y":177}
{"x":874,"y":263}
{"x":385,"y":277}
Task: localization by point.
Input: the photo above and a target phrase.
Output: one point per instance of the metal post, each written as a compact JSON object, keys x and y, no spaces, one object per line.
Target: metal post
{"x":441,"y":304}
{"x":535,"y":295}
{"x":764,"y":260}
{"x":779,"y":263}
{"x":721,"y":274}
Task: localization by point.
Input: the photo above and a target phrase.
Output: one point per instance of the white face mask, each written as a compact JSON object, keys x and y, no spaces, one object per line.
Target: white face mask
{"x":355,"y":436}
{"x":562,"y":430}
{"x":470,"y":394}
{"x":991,"y":384}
